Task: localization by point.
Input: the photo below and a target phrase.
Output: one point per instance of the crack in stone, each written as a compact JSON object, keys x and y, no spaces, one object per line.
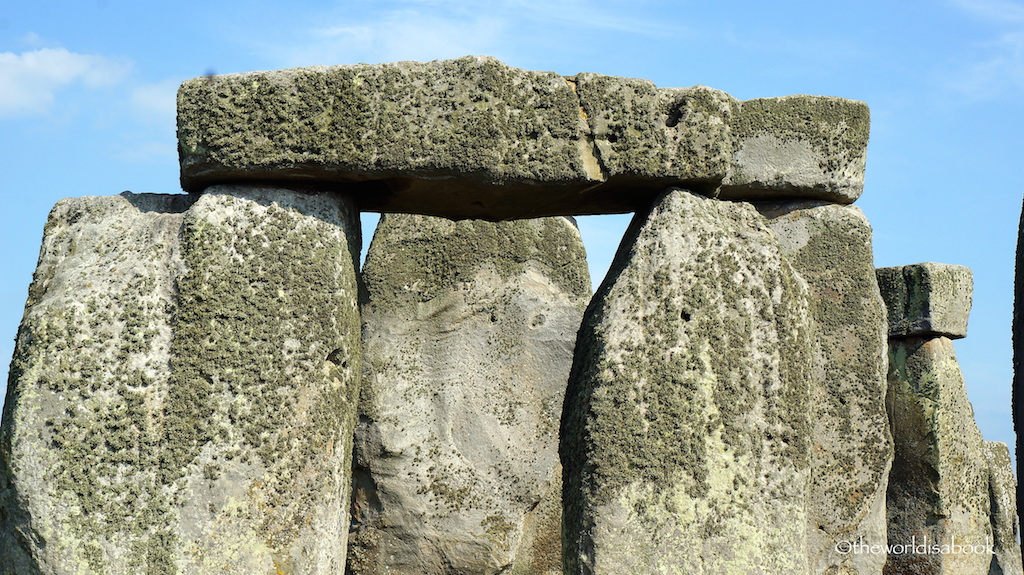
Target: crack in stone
{"x":589,"y":153}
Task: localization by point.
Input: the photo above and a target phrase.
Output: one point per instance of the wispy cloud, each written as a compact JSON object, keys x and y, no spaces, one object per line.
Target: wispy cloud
{"x":997,"y":11}
{"x":32,"y":79}
{"x":607,"y":15}
{"x":994,"y":67}
{"x":434,"y":29}
{"x":401,"y":35}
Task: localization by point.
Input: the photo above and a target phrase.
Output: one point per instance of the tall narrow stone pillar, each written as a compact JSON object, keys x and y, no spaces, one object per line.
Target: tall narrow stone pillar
{"x":685,"y":433}
{"x":947,"y":503}
{"x":1017,"y":393}
{"x":469,"y":330}
{"x":829,"y":245}
{"x":182,"y":396}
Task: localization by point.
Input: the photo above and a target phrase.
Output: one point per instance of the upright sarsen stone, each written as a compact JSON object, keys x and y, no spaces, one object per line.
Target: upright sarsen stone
{"x":267,"y":360}
{"x":469,"y":328}
{"x":948,"y":486}
{"x":685,"y":432}
{"x":80,"y":483}
{"x":939,"y":486}
{"x":183,"y":393}
{"x":1017,"y":392}
{"x":1002,"y":488}
{"x":830,"y":246}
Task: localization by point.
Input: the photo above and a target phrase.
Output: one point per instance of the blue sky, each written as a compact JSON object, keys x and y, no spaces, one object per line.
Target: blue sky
{"x":87,"y":106}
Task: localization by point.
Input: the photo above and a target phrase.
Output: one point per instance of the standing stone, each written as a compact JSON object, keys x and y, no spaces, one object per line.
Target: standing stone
{"x":939,"y":485}
{"x":685,"y":433}
{"x":950,"y":492}
{"x":830,"y":247}
{"x":1017,"y":392}
{"x":182,"y":396}
{"x":469,"y":328}
{"x":1002,"y":488}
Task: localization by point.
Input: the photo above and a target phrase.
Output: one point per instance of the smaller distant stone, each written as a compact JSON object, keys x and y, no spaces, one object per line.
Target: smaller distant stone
{"x":1002,"y":487}
{"x":927,"y":299}
{"x":798,"y":147}
{"x":939,"y":483}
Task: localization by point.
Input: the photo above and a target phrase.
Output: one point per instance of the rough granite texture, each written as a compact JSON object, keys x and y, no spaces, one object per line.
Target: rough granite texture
{"x":475,"y":138}
{"x":830,"y":247}
{"x":939,"y":485}
{"x":927,"y":299}
{"x":809,"y":147}
{"x":182,"y":396}
{"x":685,"y":434}
{"x":469,"y":329}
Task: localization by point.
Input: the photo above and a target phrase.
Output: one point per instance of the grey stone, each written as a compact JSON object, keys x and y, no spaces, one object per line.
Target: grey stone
{"x":1002,"y":487}
{"x":810,"y":147}
{"x":830,"y":247}
{"x":927,"y":299}
{"x":182,"y":395}
{"x":474,"y":138}
{"x":939,"y":485}
{"x":657,"y":136}
{"x":685,"y":432}
{"x":469,"y":328}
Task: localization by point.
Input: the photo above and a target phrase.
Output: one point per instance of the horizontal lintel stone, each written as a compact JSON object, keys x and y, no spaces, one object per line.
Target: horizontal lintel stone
{"x":927,"y":299}
{"x":475,"y":138}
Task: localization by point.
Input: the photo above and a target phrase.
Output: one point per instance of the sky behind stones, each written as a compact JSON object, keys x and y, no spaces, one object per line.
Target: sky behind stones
{"x":87,"y":106}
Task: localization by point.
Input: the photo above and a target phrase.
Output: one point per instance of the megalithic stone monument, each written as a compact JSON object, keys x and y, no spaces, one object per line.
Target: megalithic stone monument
{"x":829,"y":245}
{"x":183,"y":393}
{"x":469,"y":330}
{"x":947,"y":490}
{"x":182,"y":396}
{"x":474,"y":138}
{"x":1005,"y":526}
{"x":686,"y":429}
{"x":1017,"y":401}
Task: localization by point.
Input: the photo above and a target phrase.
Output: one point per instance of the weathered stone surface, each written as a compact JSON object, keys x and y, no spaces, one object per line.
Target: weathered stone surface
{"x":469,"y":329}
{"x":182,"y":396}
{"x":1017,"y":391}
{"x":830,"y":247}
{"x":927,"y":299}
{"x":474,"y":138}
{"x":939,"y":485}
{"x":685,"y":432}
{"x":811,"y":147}
{"x":657,"y":136}
{"x":1002,"y":487}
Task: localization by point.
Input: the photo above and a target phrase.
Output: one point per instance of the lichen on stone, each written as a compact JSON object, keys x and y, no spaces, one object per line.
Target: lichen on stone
{"x":686,"y":421}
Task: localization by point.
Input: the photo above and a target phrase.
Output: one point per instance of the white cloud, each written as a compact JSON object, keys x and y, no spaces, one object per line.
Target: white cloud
{"x":610,"y":15}
{"x":402,"y":35}
{"x":993,"y":68}
{"x":31,"y":79}
{"x":438,"y":29}
{"x":998,"y":11}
